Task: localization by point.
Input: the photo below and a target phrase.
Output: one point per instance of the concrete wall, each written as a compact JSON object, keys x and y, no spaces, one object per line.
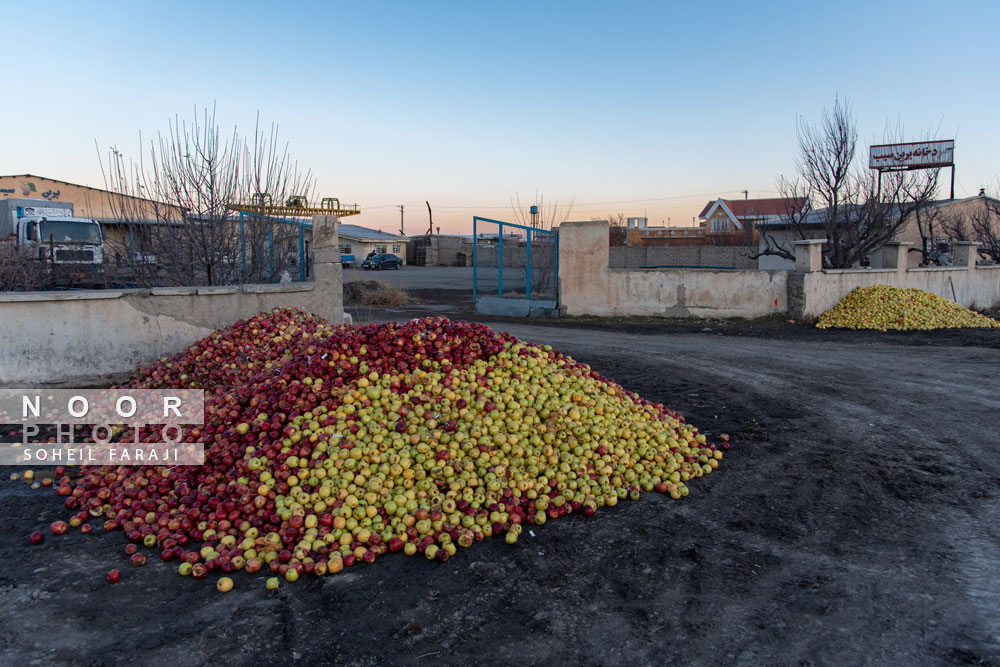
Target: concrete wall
{"x":634,"y":257}
{"x":89,"y":336}
{"x":812,"y":291}
{"x":587,"y":285}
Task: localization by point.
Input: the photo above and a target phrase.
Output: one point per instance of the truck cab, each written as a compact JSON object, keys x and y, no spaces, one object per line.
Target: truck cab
{"x":51,"y":233}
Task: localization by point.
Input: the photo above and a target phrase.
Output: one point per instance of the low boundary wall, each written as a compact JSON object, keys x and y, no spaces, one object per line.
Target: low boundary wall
{"x":87,"y":337}
{"x":587,"y":286}
{"x":813,"y":291}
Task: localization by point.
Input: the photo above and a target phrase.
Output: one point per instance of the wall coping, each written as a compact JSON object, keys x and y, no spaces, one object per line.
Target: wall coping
{"x":933,"y":269}
{"x":689,"y":268}
{"x":278,"y":288}
{"x":91,"y":295}
{"x":839,"y":271}
{"x":81,"y":295}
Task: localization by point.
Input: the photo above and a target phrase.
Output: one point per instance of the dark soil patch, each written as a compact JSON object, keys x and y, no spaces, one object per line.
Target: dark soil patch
{"x":853,"y":522}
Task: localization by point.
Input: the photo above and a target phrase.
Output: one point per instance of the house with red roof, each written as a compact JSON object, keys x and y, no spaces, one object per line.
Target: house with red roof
{"x":731,"y":216}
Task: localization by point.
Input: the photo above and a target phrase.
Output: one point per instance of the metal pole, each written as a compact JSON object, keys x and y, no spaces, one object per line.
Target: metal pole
{"x":473,"y":260}
{"x":555,"y":278}
{"x":243,"y":250}
{"x":302,"y":257}
{"x":500,"y":262}
{"x":952,"y":181}
{"x":401,"y":232}
{"x":527,"y":282}
{"x":270,"y":249}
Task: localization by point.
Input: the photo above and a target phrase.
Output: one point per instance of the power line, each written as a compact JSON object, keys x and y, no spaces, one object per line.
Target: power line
{"x":578,"y":204}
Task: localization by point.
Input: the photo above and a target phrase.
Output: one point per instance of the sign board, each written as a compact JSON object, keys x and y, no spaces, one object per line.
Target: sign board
{"x":917,"y":155}
{"x":41,"y":211}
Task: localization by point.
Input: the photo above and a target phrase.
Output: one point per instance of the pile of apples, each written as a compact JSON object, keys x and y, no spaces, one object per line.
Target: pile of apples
{"x":329,"y":446}
{"x":882,"y":308}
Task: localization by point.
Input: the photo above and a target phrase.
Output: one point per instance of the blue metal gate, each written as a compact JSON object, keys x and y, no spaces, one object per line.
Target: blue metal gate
{"x":515,"y":269}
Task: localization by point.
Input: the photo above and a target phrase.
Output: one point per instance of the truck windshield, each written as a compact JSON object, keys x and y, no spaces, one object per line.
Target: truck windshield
{"x":72,"y":232}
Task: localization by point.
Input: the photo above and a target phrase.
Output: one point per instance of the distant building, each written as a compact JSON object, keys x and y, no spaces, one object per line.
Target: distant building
{"x":728,"y":216}
{"x":723,"y":222}
{"x":125,"y":220}
{"x":360,"y":241}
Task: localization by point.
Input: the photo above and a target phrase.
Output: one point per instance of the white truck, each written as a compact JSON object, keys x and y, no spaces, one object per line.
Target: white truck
{"x":47,"y":232}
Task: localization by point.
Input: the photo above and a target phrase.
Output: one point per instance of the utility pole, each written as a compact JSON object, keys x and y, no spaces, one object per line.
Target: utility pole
{"x":746,"y":194}
{"x":401,"y":232}
{"x":430,"y":219}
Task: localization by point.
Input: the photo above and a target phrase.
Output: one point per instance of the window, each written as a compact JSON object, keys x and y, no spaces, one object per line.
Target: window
{"x":720,"y":225}
{"x":345,"y":248}
{"x":380,"y":249}
{"x":395,"y":249}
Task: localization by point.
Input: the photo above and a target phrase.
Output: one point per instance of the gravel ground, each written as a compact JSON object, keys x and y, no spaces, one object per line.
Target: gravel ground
{"x":855,"y":521}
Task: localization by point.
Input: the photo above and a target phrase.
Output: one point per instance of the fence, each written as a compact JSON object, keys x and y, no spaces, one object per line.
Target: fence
{"x":513,"y":263}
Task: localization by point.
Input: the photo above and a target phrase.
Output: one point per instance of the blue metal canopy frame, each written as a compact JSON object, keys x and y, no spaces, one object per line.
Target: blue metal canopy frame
{"x":530,"y":231}
{"x":270,"y":242}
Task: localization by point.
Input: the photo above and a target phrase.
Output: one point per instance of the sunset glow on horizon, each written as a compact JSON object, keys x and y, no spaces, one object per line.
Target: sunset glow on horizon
{"x":640,"y":109}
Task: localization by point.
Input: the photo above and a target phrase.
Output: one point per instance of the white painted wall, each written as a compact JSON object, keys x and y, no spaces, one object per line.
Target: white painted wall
{"x":979,"y":287}
{"x":588,"y":287}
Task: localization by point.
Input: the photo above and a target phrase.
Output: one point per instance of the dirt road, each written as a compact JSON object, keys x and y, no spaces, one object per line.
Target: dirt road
{"x":855,"y":521}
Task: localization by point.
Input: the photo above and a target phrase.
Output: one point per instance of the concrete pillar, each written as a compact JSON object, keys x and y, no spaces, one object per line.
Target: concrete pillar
{"x":964,"y":254}
{"x":894,"y":255}
{"x":327,"y":271}
{"x":809,"y":255}
{"x":583,"y":267}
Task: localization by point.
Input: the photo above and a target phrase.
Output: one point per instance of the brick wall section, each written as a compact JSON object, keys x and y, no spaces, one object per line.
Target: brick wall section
{"x":634,"y":257}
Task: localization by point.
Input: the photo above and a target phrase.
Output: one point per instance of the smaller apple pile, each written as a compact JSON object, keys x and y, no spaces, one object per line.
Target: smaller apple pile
{"x":331,"y":446}
{"x":883,"y":308}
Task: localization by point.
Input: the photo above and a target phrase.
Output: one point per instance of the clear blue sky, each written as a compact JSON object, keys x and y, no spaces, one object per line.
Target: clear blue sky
{"x":468,"y":104}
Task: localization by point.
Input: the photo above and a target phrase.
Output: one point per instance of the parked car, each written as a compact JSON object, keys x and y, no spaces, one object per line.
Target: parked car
{"x":381,"y":262}
{"x":346,"y":260}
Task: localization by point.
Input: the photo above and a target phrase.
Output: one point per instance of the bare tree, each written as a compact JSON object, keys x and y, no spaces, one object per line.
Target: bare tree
{"x":617,"y":234}
{"x":549,"y":215}
{"x":980,"y":222}
{"x":177,"y":201}
{"x":19,"y":271}
{"x":855,"y":210}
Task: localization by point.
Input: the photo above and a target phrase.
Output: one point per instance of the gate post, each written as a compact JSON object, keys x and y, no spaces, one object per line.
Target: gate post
{"x":327,"y":271}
